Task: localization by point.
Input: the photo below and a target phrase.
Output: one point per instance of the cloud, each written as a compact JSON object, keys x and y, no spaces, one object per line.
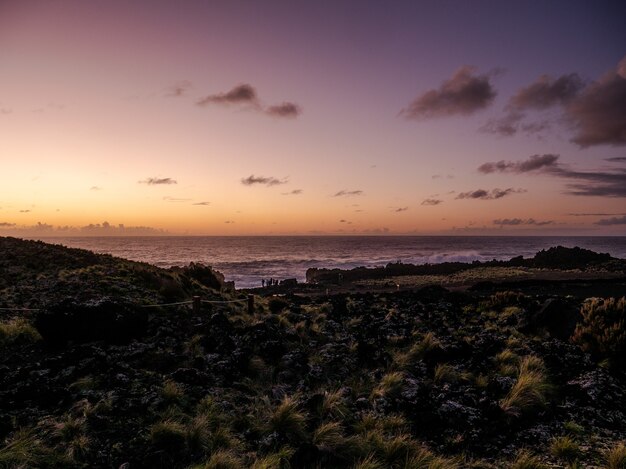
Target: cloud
{"x":432,"y":202}
{"x":201,"y":203}
{"x":240,"y":94}
{"x":518,"y":221}
{"x":178,"y":89}
{"x":612,"y":221}
{"x":293,"y":192}
{"x":463,"y":94}
{"x":95,"y":188}
{"x":593,"y":214}
{"x":345,"y":221}
{"x":25,"y":211}
{"x":97,"y":229}
{"x":262,"y":180}
{"x":489,"y":195}
{"x":401,"y":209}
{"x":583,"y":183}
{"x":344,"y":193}
{"x":599,"y":112}
{"x":175,"y":199}
{"x":547,"y":92}
{"x":229,"y":222}
{"x":288,"y":110}
{"x":158,"y":181}
{"x":533,"y":163}
{"x":245,"y":95}
{"x":6,"y":111}
{"x":5,"y":224}
{"x":617,"y":159}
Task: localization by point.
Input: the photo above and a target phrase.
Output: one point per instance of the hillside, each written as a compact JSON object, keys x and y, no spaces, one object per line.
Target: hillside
{"x":428,"y":378}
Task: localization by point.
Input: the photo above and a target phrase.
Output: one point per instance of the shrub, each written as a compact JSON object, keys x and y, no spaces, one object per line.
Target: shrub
{"x":17,"y":331}
{"x":565,"y":448}
{"x":602,"y":331}
{"x":529,"y":391}
{"x":276,"y":305}
{"x":616,"y":457}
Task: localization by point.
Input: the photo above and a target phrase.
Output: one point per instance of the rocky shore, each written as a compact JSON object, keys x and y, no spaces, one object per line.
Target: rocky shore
{"x":499,"y":373}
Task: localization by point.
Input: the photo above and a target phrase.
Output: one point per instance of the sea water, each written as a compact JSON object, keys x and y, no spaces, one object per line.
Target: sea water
{"x":247,"y":260}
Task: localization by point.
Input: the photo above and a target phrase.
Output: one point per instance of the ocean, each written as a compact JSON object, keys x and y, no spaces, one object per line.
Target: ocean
{"x":248,"y":259}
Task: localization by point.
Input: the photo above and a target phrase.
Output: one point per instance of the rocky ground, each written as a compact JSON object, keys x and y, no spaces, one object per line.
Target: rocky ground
{"x":493,"y":376}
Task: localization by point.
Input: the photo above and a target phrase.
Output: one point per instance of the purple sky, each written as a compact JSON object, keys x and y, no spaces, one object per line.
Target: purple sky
{"x":233,"y":117}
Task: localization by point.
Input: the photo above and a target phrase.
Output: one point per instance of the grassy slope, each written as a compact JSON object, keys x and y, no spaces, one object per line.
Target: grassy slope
{"x":409,"y":379}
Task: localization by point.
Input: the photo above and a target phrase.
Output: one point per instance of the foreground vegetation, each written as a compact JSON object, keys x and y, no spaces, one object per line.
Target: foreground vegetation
{"x":413,"y":379}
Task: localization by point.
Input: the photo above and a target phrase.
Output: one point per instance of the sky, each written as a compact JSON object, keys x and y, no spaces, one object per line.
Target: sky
{"x":292,"y":117}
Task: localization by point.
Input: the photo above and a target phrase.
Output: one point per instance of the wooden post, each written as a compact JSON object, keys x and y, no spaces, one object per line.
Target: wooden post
{"x":250,"y":304}
{"x":196,"y":305}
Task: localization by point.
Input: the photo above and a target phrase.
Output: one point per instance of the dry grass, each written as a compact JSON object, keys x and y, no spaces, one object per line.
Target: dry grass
{"x":531,"y":389}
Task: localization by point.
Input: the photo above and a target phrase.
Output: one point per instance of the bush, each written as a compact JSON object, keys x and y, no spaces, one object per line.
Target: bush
{"x":602,"y":331}
{"x":17,"y":331}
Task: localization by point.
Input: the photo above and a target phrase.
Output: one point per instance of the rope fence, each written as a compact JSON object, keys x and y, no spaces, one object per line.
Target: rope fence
{"x":195,"y":302}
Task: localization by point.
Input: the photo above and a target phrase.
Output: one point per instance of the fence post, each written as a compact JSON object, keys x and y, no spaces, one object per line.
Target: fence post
{"x":250,"y":304}
{"x":196,"y":305}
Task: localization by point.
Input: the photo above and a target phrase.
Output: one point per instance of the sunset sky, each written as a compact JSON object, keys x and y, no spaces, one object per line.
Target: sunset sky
{"x":290,"y":117}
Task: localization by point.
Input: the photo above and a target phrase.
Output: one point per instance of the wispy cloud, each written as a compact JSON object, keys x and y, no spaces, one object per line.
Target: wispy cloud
{"x":519,"y":221}
{"x":401,"y":209}
{"x":178,"y":89}
{"x":293,"y":192}
{"x":617,"y":159}
{"x":463,"y":94}
{"x":344,"y":193}
{"x":262,"y":180}
{"x":593,"y":214}
{"x":201,"y":203}
{"x":245,"y":95}
{"x":612,"y":221}
{"x":547,"y":91}
{"x":175,"y":199}
{"x":156,"y":181}
{"x":240,"y":94}
{"x":533,"y":163}
{"x":596,"y":112}
{"x":5,"y":224}
{"x":288,"y":110}
{"x":25,"y":211}
{"x":583,"y":183}
{"x":95,"y":188}
{"x":432,"y":202}
{"x":483,"y":194}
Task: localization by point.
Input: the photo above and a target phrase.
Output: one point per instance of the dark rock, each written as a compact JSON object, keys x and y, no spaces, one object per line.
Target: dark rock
{"x":108,"y":320}
{"x":557,"y":316}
